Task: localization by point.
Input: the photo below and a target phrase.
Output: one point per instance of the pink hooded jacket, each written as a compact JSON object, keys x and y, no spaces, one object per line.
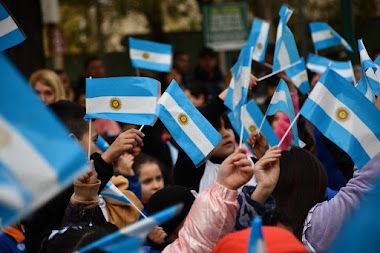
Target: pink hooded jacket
{"x":211,"y":217}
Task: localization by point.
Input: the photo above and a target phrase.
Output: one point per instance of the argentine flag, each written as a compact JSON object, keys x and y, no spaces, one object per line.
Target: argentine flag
{"x":282,"y":101}
{"x":367,"y":65}
{"x":256,"y":239}
{"x":132,"y":237}
{"x":258,"y":38}
{"x":125,"y":99}
{"x":111,"y":191}
{"x":286,"y":52}
{"x":237,"y":94}
{"x":324,"y":36}
{"x":10,"y":33}
{"x":350,"y":121}
{"x":193,"y":133}
{"x":298,"y":75}
{"x":319,"y":64}
{"x":36,"y":152}
{"x":374,"y":78}
{"x":151,"y":55}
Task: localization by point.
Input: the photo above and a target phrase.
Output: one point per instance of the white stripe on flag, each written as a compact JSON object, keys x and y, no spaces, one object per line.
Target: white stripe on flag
{"x":257,"y":52}
{"x":330,"y":104}
{"x":322,"y":35}
{"x":320,"y":69}
{"x":190,"y":129}
{"x":7,"y":25}
{"x":242,"y":82}
{"x":247,"y":119}
{"x":364,"y":55}
{"x":283,"y":56}
{"x":136,"y":54}
{"x":279,"y":96}
{"x":28,"y":166}
{"x":11,"y":197}
{"x":299,"y":78}
{"x":129,"y":104}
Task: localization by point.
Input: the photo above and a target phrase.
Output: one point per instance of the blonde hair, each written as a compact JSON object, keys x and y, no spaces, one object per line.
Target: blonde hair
{"x":51,"y":79}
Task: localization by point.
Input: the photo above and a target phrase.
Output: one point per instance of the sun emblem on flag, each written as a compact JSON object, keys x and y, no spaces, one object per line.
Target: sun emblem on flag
{"x":252,"y":128}
{"x":331,"y":33}
{"x":115,"y":104}
{"x":183,"y":119}
{"x":4,"y":137}
{"x":145,"y":55}
{"x":259,"y":46}
{"x":342,"y":114}
{"x":303,"y":76}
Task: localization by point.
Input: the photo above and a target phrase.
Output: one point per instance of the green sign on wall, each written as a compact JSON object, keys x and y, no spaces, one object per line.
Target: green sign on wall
{"x":225,"y":26}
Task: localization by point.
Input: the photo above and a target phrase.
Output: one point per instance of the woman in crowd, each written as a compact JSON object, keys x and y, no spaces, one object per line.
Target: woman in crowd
{"x":48,"y":85}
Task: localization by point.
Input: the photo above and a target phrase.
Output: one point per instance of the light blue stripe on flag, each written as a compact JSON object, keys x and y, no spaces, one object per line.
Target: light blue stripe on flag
{"x":282,"y":101}
{"x":33,"y":141}
{"x":367,"y":65}
{"x":350,"y":121}
{"x":125,"y":99}
{"x":258,"y":38}
{"x":193,"y":133}
{"x":298,"y":75}
{"x":286,"y":52}
{"x":256,"y":240}
{"x":324,"y":36}
{"x":133,"y":236}
{"x":111,"y":191}
{"x":150,"y":55}
{"x":319,"y":64}
{"x":10,"y":33}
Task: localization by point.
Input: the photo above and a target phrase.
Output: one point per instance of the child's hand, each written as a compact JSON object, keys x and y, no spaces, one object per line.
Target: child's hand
{"x":157,"y":235}
{"x":236,"y":170}
{"x":258,"y":143}
{"x":123,"y":166}
{"x":125,"y":142}
{"x":88,"y":177}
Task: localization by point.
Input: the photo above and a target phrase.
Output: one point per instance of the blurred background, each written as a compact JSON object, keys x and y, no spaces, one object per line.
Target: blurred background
{"x":61,"y":34}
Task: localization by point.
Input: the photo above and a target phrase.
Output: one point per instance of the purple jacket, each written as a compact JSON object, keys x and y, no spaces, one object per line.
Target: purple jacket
{"x":325,"y":219}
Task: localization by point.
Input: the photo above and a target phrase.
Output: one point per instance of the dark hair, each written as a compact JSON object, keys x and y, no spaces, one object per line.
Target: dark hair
{"x":301,"y":185}
{"x":207,"y":51}
{"x":197,"y":88}
{"x":71,"y":115}
{"x":143,"y":159}
{"x":75,"y":237}
{"x":226,"y":121}
{"x":91,"y":59}
{"x":178,"y":53}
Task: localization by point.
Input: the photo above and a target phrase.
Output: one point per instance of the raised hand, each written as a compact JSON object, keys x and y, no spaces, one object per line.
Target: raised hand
{"x":125,"y":142}
{"x":258,"y":143}
{"x":235,"y":171}
{"x":157,"y":235}
{"x":123,"y":166}
{"x":88,"y":177}
{"x":267,"y":172}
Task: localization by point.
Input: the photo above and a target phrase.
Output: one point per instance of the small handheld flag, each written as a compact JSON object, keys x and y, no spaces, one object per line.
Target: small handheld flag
{"x":32,"y":142}
{"x":348,"y":120}
{"x":151,"y":55}
{"x":256,"y":239}
{"x":125,"y":99}
{"x":298,"y":75}
{"x":193,"y":133}
{"x":319,"y":64}
{"x":258,"y":39}
{"x":133,"y":235}
{"x":324,"y":37}
{"x":10,"y":33}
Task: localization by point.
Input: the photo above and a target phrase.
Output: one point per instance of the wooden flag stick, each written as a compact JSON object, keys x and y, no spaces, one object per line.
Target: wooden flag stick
{"x":288,"y":130}
{"x":89,"y":139}
{"x":278,"y":71}
{"x":241,"y":135}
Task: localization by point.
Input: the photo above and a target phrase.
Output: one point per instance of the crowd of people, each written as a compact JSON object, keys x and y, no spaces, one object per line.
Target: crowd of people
{"x":303,"y":195}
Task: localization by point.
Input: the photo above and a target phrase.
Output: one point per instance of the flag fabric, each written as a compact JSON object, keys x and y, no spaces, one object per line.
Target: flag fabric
{"x":286,"y":52}
{"x":258,"y":38}
{"x":102,"y":144}
{"x":10,"y":34}
{"x":298,"y":75}
{"x":324,"y":36}
{"x":193,"y":133}
{"x":111,"y":191}
{"x":364,"y":85}
{"x":150,"y":55}
{"x":282,"y":101}
{"x":237,"y":94}
{"x":319,"y":64}
{"x":236,"y":126}
{"x":256,"y":239}
{"x":36,"y":152}
{"x":348,"y":120}
{"x":125,"y":99}
{"x":366,"y":218}
{"x":132,"y":237}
